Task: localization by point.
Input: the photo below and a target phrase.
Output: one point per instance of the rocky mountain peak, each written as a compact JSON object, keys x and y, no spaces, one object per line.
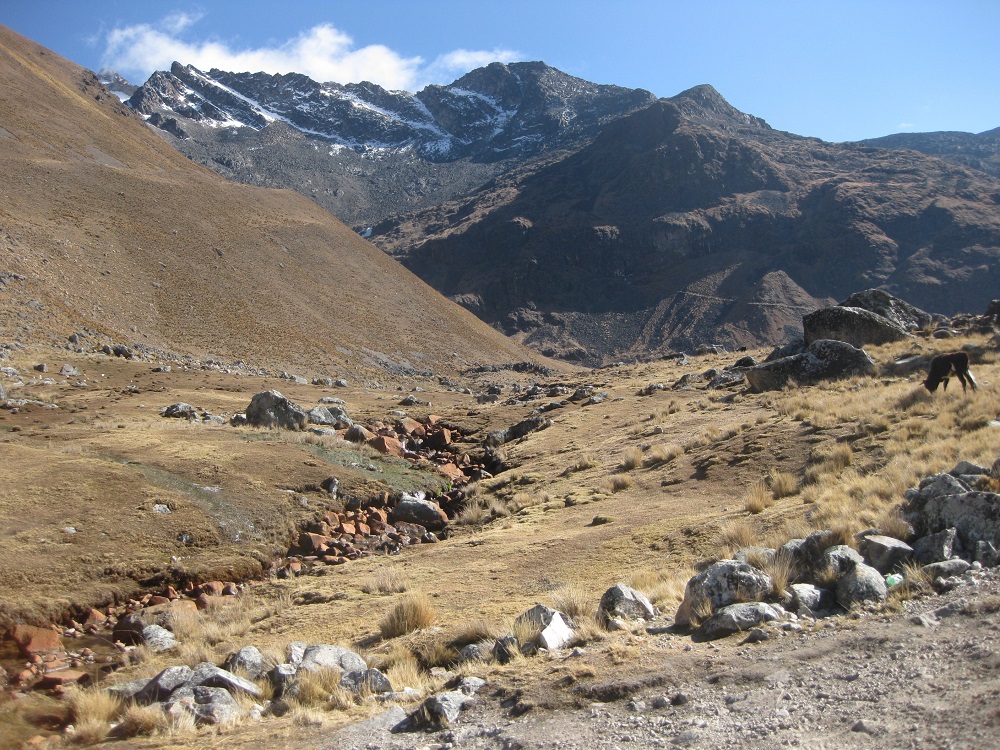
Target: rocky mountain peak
{"x":707,"y":106}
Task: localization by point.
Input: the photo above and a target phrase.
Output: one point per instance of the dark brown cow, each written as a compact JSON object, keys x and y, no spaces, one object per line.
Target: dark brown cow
{"x":944,"y":366}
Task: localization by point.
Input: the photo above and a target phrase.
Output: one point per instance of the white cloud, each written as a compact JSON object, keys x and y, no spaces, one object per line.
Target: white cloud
{"x":323,"y":53}
{"x":906,"y":126}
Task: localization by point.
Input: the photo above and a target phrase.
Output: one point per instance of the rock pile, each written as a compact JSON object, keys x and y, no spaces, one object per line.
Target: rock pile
{"x":955,"y":531}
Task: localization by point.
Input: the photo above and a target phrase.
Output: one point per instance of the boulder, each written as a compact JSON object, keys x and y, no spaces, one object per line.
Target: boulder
{"x":852,"y":325}
{"x":386,"y":445}
{"x":158,"y":639}
{"x":361,"y":681}
{"x":180,"y":410}
{"x":334,"y":416}
{"x":884,"y":553}
{"x":519,"y":430}
{"x":946,"y":568}
{"x":936,"y":547}
{"x":358,"y":434}
{"x":627,"y":603}
{"x":943,"y":502}
{"x":34,"y":641}
{"x":128,"y":630}
{"x":811,"y":597}
{"x":324,"y":656}
{"x":862,"y":584}
{"x":822,"y":360}
{"x":271,"y":409}
{"x":736,"y":618}
{"x":208,"y":705}
{"x":554,"y":628}
{"x":417,"y":510}
{"x":250,"y":661}
{"x":840,"y":559}
{"x":893,"y":309}
{"x":160,"y":687}
{"x":723,"y":583}
{"x":210,"y":675}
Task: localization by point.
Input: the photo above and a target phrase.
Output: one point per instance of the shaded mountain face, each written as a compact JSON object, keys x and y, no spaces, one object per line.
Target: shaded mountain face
{"x":107,"y":231}
{"x":689,"y":222}
{"x":978,"y":151}
{"x":366,"y":153}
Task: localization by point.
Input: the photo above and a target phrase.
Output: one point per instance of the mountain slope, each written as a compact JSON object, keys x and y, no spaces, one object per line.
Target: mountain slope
{"x":107,"y":228}
{"x":979,"y":151}
{"x":690,"y":222}
{"x":366,"y":153}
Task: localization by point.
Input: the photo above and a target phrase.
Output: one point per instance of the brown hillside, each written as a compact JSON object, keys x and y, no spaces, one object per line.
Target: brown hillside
{"x":105,"y":228}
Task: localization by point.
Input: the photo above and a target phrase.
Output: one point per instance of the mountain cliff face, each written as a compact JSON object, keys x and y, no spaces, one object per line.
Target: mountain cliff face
{"x":366,"y":153}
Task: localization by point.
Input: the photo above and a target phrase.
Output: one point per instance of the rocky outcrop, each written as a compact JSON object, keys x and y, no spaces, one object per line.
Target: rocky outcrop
{"x":821,"y":360}
{"x":724,"y":583}
{"x":271,"y":409}
{"x":852,"y":325}
{"x":893,"y":309}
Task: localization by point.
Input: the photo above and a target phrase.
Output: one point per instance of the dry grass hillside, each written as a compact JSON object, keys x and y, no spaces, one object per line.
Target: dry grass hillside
{"x":104,"y":227}
{"x":637,"y":488}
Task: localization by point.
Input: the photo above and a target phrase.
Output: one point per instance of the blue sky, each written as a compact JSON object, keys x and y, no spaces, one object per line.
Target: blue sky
{"x":834,"y":69}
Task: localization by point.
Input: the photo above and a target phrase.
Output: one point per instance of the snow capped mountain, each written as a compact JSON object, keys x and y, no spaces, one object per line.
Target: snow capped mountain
{"x":496,"y":112}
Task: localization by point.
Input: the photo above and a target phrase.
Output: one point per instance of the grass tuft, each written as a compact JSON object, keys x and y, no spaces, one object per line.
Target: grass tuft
{"x":414,"y":612}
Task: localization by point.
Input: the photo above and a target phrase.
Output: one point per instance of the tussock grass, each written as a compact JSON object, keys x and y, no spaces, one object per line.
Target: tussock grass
{"x":661,"y":587}
{"x":414,"y":612}
{"x":611,"y":485}
{"x":662,"y":453}
{"x":403,"y":671}
{"x":782,"y":484}
{"x":136,"y":721}
{"x":575,"y":601}
{"x":632,"y":458}
{"x":92,"y":710}
{"x":586,"y":461}
{"x":759,"y":498}
{"x":781,"y":569}
{"x":386,"y":580}
{"x":737,"y":534}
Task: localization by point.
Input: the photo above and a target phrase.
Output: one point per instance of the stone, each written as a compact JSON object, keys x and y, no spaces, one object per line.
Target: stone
{"x":736,"y":618}
{"x":323,"y":656}
{"x":163,"y":685}
{"x":34,"y":641}
{"x":821,"y":360}
{"x":158,"y":639}
{"x":283,"y":681}
{"x":811,"y":597}
{"x":250,"y":661}
{"x":362,"y":681}
{"x":208,"y":705}
{"x":884,"y":553}
{"x":852,"y":325}
{"x":210,"y":675}
{"x":624,"y":601}
{"x":862,"y":584}
{"x":936,"y":547}
{"x":517,"y":431}
{"x":127,"y":691}
{"x":720,"y":585}
{"x":946,"y":568}
{"x":840,"y":559}
{"x":271,"y":409}
{"x":761,"y":555}
{"x":893,"y":309}
{"x":417,"y":510}
{"x":975,"y":516}
{"x":386,"y":445}
{"x":358,"y":434}
{"x":554,"y":629}
{"x":986,"y":554}
{"x":440,"y":711}
{"x":63,"y":678}
{"x":180,"y":410}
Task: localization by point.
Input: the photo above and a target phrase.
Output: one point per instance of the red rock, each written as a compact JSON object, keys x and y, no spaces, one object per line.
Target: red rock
{"x":452,"y":472}
{"x":432,"y":419}
{"x":37,"y":741}
{"x":231,"y":589}
{"x":171,"y":606}
{"x":348,"y":528}
{"x":24,"y":676}
{"x":154,"y":600}
{"x":32,"y":640}
{"x":377,"y":527}
{"x":172,"y":593}
{"x":387,"y":445}
{"x":363,"y":529}
{"x":412,"y":427}
{"x":95,"y":617}
{"x":64,"y":678}
{"x":213,"y":588}
{"x":295,"y":567}
{"x":439,"y":438}
{"x":314,"y":543}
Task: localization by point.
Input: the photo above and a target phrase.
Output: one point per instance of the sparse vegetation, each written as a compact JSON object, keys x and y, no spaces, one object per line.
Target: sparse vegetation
{"x":414,"y":612}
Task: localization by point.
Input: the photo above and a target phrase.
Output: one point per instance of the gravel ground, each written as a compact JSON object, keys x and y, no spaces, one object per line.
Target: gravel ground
{"x":925,"y":677}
